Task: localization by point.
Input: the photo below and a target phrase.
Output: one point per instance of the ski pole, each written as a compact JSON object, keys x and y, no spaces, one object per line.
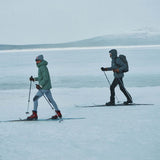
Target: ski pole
{"x":30,"y":86}
{"x":106,"y":77}
{"x":110,"y":84}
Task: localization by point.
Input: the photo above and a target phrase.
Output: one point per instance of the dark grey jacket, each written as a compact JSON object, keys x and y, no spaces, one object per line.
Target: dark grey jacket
{"x":116,"y":63}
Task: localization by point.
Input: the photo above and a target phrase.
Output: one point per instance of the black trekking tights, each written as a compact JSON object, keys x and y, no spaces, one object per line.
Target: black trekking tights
{"x":115,"y":82}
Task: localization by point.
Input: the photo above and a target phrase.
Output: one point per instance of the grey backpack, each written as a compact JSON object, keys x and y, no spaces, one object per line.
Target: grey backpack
{"x":124,"y":60}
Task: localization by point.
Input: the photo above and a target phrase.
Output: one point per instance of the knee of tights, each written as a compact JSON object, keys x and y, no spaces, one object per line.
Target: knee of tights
{"x":111,"y":88}
{"x":35,"y":98}
{"x":121,"y":88}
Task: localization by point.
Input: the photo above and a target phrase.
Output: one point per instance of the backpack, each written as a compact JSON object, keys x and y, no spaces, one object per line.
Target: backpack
{"x":124,"y":60}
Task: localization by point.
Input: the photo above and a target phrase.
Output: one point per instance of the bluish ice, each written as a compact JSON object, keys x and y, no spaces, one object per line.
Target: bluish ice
{"x":114,"y":133}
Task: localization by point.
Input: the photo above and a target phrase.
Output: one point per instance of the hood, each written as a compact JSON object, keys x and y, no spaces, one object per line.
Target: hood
{"x":40,"y":57}
{"x":114,"y":53}
{"x":43,"y":63}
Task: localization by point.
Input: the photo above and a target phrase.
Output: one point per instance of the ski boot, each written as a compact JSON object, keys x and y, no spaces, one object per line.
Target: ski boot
{"x":110,"y":103}
{"x":34,"y":116}
{"x":58,"y":115}
{"x":129,"y":101}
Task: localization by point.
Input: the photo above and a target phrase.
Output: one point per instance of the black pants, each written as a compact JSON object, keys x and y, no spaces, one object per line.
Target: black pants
{"x":115,"y":82}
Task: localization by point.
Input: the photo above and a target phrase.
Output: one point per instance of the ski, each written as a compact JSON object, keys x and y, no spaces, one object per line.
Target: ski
{"x":116,"y":105}
{"x":42,"y":120}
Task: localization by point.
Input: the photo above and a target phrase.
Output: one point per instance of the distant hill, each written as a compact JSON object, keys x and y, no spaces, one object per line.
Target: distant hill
{"x":142,"y":38}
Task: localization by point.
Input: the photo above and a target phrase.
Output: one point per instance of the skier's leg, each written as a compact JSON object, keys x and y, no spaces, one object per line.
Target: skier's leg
{"x":50,"y":98}
{"x":35,"y":99}
{"x":125,"y":92}
{"x":34,"y":115}
{"x":52,"y":101}
{"x":112,"y":90}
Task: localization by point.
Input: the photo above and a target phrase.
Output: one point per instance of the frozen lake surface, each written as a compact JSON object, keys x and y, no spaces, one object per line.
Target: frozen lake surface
{"x":79,"y":68}
{"x":114,"y":133}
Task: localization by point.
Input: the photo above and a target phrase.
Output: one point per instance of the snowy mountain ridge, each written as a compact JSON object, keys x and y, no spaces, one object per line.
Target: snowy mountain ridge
{"x":126,"y":39}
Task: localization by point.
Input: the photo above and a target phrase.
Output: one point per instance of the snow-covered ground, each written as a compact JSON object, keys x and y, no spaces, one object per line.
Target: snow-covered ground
{"x":113,"y":133}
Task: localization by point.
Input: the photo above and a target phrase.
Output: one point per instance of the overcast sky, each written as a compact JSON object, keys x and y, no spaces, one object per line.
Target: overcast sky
{"x":55,"y":21}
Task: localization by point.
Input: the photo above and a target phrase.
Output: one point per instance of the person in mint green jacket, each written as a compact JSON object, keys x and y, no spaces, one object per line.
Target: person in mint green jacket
{"x":43,"y":86}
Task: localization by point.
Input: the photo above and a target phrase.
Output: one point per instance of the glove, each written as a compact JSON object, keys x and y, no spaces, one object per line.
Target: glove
{"x":116,"y":70}
{"x":31,"y":79}
{"x":103,"y":69}
{"x":38,"y":86}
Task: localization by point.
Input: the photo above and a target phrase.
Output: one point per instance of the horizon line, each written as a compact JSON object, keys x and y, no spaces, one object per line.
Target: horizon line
{"x":80,"y":48}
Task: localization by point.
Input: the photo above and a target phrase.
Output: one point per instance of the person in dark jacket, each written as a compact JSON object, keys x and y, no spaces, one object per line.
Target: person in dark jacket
{"x":117,"y":66}
{"x":43,"y":87}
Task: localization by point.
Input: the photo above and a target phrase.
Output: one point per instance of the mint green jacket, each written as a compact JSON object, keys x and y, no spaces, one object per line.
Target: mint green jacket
{"x":43,"y":75}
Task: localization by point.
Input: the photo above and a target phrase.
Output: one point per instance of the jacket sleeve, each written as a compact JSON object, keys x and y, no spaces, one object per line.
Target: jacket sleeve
{"x":109,"y":68}
{"x":121,"y":65}
{"x":36,"y":78}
